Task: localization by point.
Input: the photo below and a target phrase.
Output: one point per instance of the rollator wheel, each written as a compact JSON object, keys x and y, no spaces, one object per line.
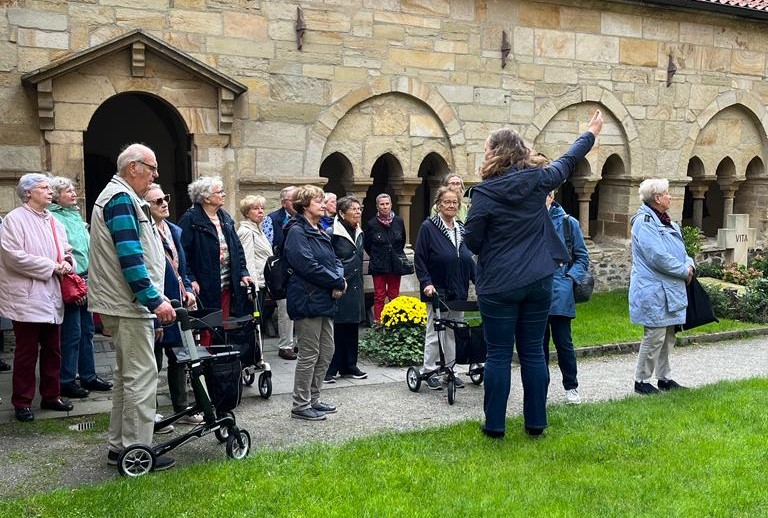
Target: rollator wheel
{"x":265,"y":384}
{"x":234,"y":450}
{"x":222,"y":434}
{"x":413,"y":379}
{"x":248,"y":378}
{"x":476,"y":373}
{"x":136,"y":460}
{"x":451,"y":391}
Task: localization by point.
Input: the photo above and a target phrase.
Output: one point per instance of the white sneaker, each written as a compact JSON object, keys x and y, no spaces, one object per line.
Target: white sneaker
{"x":194,"y":419}
{"x":167,"y":429}
{"x":572,"y":397}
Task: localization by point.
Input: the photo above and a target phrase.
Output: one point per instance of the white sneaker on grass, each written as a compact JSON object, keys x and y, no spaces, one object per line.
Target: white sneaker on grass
{"x":572,"y":397}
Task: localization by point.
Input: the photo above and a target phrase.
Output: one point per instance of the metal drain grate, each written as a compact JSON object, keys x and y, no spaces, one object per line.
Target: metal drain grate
{"x":81,"y":427}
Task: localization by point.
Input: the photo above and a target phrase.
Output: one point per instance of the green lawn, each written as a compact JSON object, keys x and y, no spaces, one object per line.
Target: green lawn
{"x":691,"y":453}
{"x":605,"y":320}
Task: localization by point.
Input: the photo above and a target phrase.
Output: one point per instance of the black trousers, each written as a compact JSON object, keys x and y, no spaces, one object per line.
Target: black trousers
{"x":345,"y":338}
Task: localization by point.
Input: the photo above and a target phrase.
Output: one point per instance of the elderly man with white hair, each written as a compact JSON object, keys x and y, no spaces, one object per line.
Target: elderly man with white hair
{"x":127,"y":269}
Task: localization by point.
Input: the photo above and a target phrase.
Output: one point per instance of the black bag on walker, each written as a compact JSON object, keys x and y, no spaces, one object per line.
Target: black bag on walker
{"x":470,"y":344}
{"x":222,"y":377}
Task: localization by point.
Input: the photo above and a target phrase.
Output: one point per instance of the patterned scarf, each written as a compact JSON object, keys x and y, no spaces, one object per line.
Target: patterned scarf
{"x":386,"y":221}
{"x":663,"y":216}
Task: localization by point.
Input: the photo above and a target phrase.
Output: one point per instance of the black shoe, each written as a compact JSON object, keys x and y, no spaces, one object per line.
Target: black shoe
{"x":534,"y":433}
{"x":164,"y":462}
{"x":645,"y":389}
{"x":96,"y":384}
{"x":324,"y":408}
{"x":329,"y":379}
{"x":356,"y":374}
{"x":4,"y":366}
{"x":308,"y":414}
{"x":60,"y":405}
{"x":73,"y":390}
{"x":670,"y":385}
{"x":287,"y":354}
{"x":493,"y":434}
{"x":24,"y":414}
{"x":112,"y":457}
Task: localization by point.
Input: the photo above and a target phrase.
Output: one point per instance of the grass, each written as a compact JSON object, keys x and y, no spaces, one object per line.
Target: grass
{"x":692,"y":453}
{"x":605,"y":320}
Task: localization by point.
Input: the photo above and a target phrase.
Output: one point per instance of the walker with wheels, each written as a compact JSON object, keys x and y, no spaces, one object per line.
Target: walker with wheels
{"x":470,"y":348}
{"x":215,"y":380}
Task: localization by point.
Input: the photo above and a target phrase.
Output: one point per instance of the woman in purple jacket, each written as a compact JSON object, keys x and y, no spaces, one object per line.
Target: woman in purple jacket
{"x":518,"y":251}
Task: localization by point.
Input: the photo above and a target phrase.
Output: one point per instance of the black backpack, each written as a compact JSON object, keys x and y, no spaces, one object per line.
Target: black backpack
{"x":277,"y":271}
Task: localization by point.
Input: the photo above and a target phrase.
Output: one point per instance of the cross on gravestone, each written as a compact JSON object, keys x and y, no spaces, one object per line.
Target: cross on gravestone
{"x":736,"y":238}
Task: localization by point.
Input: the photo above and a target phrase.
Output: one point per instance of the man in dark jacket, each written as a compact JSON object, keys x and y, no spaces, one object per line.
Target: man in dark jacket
{"x":278,"y":219}
{"x":384,"y":240}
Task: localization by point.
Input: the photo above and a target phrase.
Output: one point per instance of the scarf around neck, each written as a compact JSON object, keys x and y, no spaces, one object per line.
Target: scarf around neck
{"x":385,"y":220}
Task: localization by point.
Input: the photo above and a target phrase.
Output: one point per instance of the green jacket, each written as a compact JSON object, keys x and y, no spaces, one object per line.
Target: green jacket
{"x":77,"y":234}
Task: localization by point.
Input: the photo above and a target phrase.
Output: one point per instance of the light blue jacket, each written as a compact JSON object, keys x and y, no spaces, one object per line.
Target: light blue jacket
{"x":657,"y":296}
{"x":563,"y":303}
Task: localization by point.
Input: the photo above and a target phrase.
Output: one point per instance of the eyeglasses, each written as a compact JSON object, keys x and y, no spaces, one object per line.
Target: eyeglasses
{"x":160,"y":201}
{"x":220,"y":192}
{"x":449,"y":202}
{"x":152,"y":168}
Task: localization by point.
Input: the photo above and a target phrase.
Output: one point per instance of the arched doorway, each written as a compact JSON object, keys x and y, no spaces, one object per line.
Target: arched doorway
{"x":432,"y":170}
{"x":384,"y":170}
{"x":138,"y":117}
{"x":337,"y":168}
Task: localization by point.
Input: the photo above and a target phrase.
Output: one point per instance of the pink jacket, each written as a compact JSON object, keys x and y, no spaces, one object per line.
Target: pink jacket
{"x":29,"y":290}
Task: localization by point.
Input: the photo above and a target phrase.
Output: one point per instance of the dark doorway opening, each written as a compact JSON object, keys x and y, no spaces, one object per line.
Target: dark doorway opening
{"x":432,"y":170}
{"x":386,"y":168}
{"x":144,"y":118}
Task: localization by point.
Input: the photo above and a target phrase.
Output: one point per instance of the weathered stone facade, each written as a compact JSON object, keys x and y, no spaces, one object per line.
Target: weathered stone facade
{"x":389,"y":95}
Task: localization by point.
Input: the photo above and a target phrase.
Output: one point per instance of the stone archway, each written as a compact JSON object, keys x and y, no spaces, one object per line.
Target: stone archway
{"x":149,"y":120}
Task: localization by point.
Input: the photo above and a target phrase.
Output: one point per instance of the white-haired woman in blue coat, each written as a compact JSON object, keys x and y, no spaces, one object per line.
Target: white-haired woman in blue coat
{"x":657,"y":296}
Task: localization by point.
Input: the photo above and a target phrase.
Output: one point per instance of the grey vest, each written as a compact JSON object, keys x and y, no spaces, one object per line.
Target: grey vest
{"x":108,"y":291}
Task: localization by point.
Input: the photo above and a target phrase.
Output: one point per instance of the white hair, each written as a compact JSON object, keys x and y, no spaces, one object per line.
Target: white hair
{"x":58,"y":184}
{"x":133,"y":153}
{"x":28,"y":182}
{"x":651,"y":187}
{"x":203,"y":188}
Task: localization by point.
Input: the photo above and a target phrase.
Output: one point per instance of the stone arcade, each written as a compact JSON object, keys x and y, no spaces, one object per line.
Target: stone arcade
{"x":390,"y":95}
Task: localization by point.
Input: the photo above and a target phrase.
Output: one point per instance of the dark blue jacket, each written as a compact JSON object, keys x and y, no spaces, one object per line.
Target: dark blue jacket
{"x":563,"y":303}
{"x":438,"y":264}
{"x":171,"y":334}
{"x":316,"y":270}
{"x":278,"y":234}
{"x":201,"y":244}
{"x":508,"y":226}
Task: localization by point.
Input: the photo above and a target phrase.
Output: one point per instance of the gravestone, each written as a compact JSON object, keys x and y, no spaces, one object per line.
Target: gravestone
{"x":736,"y":238}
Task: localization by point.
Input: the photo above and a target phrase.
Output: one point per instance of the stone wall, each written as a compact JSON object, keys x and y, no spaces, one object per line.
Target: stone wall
{"x":411,"y":78}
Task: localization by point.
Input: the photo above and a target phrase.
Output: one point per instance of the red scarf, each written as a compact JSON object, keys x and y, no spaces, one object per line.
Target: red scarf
{"x":385,"y":221}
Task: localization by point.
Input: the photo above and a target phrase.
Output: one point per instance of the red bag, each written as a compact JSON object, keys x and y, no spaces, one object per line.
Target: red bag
{"x":73,"y":287}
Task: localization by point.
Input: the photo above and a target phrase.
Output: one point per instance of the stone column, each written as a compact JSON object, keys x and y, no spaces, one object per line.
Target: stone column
{"x":698,"y":193}
{"x":584,"y":187}
{"x":728,"y":186}
{"x":405,"y":189}
{"x":357,"y":187}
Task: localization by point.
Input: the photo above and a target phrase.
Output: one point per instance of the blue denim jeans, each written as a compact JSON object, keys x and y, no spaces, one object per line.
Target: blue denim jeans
{"x":77,"y":344}
{"x":559,"y":328}
{"x":518,"y":316}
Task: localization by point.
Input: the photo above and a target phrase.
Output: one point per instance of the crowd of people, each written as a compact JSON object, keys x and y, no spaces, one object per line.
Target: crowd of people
{"x":512,"y":240}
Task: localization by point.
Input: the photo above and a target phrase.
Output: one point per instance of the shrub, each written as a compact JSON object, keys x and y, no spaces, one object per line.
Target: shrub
{"x":692,"y":240}
{"x":752,"y":306}
{"x":399,"y":339}
{"x":760,"y":262}
{"x":740,"y":274}
{"x":709,"y":270}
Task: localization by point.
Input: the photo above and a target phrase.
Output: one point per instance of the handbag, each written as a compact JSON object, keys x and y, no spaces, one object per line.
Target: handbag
{"x":73,"y":287}
{"x":405,"y":265}
{"x":582,"y":288}
{"x":699,"y":310}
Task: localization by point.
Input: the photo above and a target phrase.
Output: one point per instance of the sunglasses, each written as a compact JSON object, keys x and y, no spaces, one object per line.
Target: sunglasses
{"x":159,"y":201}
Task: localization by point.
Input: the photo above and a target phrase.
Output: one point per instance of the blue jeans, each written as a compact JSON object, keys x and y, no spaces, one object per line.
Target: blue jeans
{"x":519,"y":315}
{"x":559,"y":328}
{"x":77,"y":344}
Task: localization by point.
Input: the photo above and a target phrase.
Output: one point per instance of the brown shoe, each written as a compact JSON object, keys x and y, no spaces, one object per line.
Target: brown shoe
{"x":287,"y":354}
